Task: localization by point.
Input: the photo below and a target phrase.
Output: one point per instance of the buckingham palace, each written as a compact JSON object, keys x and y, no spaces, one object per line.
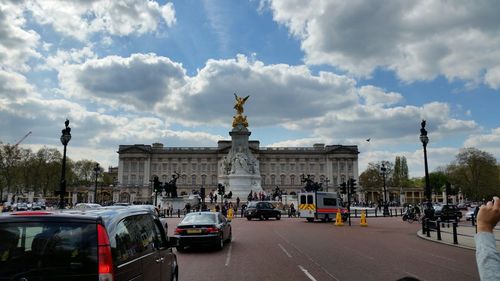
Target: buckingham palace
{"x":198,"y":166}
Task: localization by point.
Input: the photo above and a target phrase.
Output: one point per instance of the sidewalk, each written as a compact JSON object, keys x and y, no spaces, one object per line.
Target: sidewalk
{"x":465,"y":236}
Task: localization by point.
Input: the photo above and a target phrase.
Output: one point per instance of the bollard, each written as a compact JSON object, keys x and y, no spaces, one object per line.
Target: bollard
{"x":472,"y":219}
{"x":375,"y":212}
{"x":428,"y":228}
{"x":356,"y":213}
{"x":423,"y":226}
{"x":455,"y":238}
{"x":178,"y":213}
{"x":438,"y":229}
{"x":401,"y":212}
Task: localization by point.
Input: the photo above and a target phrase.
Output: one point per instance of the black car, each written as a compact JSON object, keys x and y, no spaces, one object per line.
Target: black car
{"x":203,"y":228}
{"x":448,"y":212}
{"x":262,"y":211}
{"x":100,"y":244}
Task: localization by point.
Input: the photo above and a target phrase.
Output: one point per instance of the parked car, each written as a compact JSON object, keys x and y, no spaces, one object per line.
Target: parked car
{"x":448,"y":212}
{"x":261,"y":210}
{"x":203,"y":228}
{"x":22,"y":207}
{"x":37,"y":206}
{"x":93,"y":244}
{"x":470,"y":213}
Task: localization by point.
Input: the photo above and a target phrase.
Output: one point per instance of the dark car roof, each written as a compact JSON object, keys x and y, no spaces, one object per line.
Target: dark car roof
{"x":109,"y":216}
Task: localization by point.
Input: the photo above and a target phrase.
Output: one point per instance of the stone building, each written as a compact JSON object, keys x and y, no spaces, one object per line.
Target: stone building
{"x":199,"y":166}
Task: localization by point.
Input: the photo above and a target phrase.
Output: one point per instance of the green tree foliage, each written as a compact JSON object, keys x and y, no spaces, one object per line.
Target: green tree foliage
{"x":400,"y":173}
{"x":475,"y":173}
{"x":437,"y":181}
{"x":371,"y":178}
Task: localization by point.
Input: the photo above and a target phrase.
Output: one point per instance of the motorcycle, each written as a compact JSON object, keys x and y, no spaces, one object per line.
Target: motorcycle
{"x":410,"y":215}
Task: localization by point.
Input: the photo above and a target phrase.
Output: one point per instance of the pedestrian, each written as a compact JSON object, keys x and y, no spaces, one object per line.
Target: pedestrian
{"x":487,"y":256}
{"x":237,"y":202}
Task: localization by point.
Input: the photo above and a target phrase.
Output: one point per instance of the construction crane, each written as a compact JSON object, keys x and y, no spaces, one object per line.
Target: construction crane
{"x":21,"y":140}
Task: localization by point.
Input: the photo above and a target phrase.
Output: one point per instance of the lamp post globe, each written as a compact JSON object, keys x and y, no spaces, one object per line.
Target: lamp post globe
{"x":65,"y":138}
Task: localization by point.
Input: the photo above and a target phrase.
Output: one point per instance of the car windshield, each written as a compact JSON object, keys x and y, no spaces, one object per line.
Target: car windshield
{"x":252,"y":204}
{"x":199,"y":218}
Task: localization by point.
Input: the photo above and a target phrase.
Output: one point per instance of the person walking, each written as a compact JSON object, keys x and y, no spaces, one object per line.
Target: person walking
{"x":487,"y":256}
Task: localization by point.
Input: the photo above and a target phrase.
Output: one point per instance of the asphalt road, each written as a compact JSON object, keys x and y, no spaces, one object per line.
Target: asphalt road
{"x":293,"y":249}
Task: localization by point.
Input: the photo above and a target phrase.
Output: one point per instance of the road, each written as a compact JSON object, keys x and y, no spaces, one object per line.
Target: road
{"x":292,"y":249}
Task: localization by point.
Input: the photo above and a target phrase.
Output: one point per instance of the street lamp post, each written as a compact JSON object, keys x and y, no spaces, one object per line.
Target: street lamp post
{"x":425,"y":140}
{"x":96,"y":170}
{"x":383,"y":170}
{"x":65,"y":138}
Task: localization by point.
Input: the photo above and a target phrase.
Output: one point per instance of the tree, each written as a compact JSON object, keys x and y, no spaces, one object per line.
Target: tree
{"x":372,"y":179}
{"x":475,"y":173}
{"x":437,"y":181}
{"x":400,"y":173}
{"x":9,"y":158}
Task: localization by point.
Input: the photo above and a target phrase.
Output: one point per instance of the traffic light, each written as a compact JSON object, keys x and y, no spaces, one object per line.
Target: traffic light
{"x":221,"y":189}
{"x":156,"y":184}
{"x":343,"y":188}
{"x":353,"y":186}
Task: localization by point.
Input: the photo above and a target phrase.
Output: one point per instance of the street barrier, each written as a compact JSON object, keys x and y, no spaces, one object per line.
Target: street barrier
{"x":338,"y":220}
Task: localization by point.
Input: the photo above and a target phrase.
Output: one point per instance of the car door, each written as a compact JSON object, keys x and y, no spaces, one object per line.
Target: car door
{"x":165,"y":254}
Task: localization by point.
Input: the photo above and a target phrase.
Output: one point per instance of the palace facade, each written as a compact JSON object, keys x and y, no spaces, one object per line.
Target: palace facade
{"x":199,"y":167}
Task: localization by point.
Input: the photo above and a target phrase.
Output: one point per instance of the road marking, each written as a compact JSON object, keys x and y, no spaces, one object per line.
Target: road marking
{"x":228,"y":258}
{"x":284,"y":250}
{"x":307,"y":273}
{"x":414,"y":276}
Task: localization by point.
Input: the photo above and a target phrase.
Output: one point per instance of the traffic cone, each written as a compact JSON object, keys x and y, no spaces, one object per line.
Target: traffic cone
{"x":363,"y":218}
{"x":338,"y":220}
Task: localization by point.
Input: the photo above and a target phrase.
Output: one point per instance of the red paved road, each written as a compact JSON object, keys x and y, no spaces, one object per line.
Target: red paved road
{"x":292,"y":249}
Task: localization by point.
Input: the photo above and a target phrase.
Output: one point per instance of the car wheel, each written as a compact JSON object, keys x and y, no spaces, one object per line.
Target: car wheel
{"x":220,"y":242}
{"x":310,"y":219}
{"x":175,"y":272}
{"x":278,"y":216}
{"x":261,"y":217}
{"x":249,"y":218}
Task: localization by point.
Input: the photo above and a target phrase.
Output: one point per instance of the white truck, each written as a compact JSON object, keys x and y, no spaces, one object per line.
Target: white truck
{"x":321,"y":205}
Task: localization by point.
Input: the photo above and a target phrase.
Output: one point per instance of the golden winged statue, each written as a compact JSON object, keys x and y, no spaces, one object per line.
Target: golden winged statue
{"x":239,"y":119}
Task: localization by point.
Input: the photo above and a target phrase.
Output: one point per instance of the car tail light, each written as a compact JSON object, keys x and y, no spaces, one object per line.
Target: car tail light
{"x":212,"y":230}
{"x":178,"y":230}
{"x":105,"y":258}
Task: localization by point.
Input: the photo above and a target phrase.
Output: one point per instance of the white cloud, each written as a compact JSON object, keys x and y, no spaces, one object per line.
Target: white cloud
{"x":137,"y":82}
{"x":376,"y":96}
{"x":492,"y":77}
{"x":17,"y":45}
{"x":489,"y":142}
{"x":79,"y":19}
{"x":419,"y":40}
{"x":13,"y":86}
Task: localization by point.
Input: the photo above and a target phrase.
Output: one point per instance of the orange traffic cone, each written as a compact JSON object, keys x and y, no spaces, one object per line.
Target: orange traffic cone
{"x":338,"y":220}
{"x":363,"y":218}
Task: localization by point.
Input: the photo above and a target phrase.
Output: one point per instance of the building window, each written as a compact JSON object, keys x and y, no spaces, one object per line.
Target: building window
{"x":125,"y":179}
{"x":214,"y":167}
{"x":164,"y":167}
{"x":203,"y":167}
{"x":203,"y":180}
{"x":263,"y":179}
{"x":184,"y":168}
{"x":321,"y":168}
{"x":349,"y":167}
{"x":302,"y":167}
{"x":141,"y":180}
{"x":193,"y":179}
{"x":273,"y":180}
{"x":282,"y":168}
{"x":133,"y":167}
{"x":174,"y":167}
{"x":335,"y":183}
{"x":155,"y":167}
{"x":292,"y":180}
{"x":292,"y":167}
{"x":342,"y":178}
{"x":133,"y":179}
{"x":141,"y":167}
{"x":342,"y":167}
{"x":273,"y":167}
{"x":193,"y":167}
{"x":126,"y":166}
{"x":282,"y":180}
{"x":214,"y":179}
{"x":312,"y":168}
{"x":334,"y":167}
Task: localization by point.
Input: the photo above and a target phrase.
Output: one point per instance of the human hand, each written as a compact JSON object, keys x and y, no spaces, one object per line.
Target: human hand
{"x":488,"y":215}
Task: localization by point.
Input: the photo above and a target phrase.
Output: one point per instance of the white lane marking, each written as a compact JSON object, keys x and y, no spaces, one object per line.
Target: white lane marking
{"x":284,"y":250}
{"x":414,"y":275}
{"x":307,"y":273}
{"x":228,"y":258}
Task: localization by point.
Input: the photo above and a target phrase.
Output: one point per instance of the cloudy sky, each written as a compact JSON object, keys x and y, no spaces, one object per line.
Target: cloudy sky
{"x":333,"y":72}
